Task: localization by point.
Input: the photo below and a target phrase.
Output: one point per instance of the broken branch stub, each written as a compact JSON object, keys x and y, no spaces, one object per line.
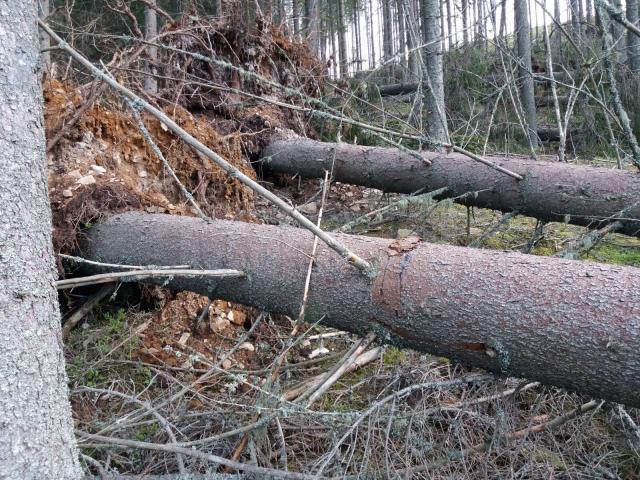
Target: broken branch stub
{"x":565,"y":323}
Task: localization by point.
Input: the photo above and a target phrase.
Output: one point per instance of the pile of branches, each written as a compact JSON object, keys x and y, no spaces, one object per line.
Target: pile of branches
{"x":226,"y":70}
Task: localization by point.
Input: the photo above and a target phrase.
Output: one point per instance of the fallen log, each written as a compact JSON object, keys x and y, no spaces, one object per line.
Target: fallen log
{"x":496,"y":79}
{"x":556,"y":192}
{"x":547,"y":100}
{"x":562,"y":322}
{"x":545,"y":133}
{"x":398,"y":89}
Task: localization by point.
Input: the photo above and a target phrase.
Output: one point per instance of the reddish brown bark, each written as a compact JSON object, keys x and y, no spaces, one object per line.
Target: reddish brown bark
{"x":555,"y":192}
{"x":566,"y":323}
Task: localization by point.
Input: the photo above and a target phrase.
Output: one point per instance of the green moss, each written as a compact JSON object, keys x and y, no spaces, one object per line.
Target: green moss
{"x":147,"y":431}
{"x":611,"y":253}
{"x":394,"y":356}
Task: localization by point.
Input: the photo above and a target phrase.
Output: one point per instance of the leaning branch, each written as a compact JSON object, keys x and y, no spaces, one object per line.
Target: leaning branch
{"x":618,"y":15}
{"x":139,"y":275}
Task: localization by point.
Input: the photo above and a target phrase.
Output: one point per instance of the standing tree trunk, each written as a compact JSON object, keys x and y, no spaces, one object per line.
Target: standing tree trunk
{"x":357,"y":36}
{"x":36,"y":432}
{"x":342,"y":41}
{"x":503,"y":21}
{"x":402,"y":35}
{"x":465,"y":22}
{"x":413,"y":39}
{"x":557,"y":33}
{"x":449,"y":26}
{"x":371,"y":34}
{"x":311,"y":25}
{"x":433,"y":74}
{"x":295,"y":16}
{"x":574,"y":6}
{"x":617,"y":31}
{"x":387,"y":39}
{"x":43,"y":13}
{"x":523,"y":42}
{"x":633,"y":41}
{"x":332,"y":36}
{"x":150,"y":31}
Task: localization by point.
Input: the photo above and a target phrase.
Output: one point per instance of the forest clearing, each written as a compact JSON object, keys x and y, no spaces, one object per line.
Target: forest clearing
{"x":320,"y":239}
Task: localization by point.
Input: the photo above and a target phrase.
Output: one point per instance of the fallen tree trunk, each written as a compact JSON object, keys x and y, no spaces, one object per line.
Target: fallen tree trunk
{"x":398,"y":89}
{"x":496,"y":79}
{"x":562,"y":322}
{"x":545,"y":133}
{"x":557,"y":192}
{"x":547,"y":100}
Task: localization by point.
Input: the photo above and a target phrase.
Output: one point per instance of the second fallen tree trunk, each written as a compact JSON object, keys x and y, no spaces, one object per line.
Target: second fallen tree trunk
{"x":556,"y":192}
{"x":565,"y":323}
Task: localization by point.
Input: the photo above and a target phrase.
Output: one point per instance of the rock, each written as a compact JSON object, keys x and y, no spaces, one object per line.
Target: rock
{"x":183,"y":339}
{"x":248,"y":346}
{"x":98,"y":169}
{"x":226,"y":365}
{"x":67,"y":193}
{"x":317,"y":352}
{"x":142,"y":173}
{"x":86,"y":180}
{"x":87,"y":136}
{"x":404,"y":233}
{"x":218,"y":324}
{"x":237,"y":317}
{"x":310,"y":208}
{"x":75,"y":173}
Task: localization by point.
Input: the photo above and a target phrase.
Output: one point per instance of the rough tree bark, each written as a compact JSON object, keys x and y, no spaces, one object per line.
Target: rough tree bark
{"x":413,"y":39}
{"x":312,"y":19}
{"x":434,"y":72}
{"x":387,"y":40}
{"x":449,"y":24}
{"x":633,"y":41}
{"x":562,"y":322}
{"x":342,"y":40}
{"x":295,"y":17}
{"x":492,"y":79}
{"x":150,"y":31}
{"x":523,"y":42}
{"x":36,"y":435}
{"x":575,"y":17}
{"x":465,"y":22}
{"x":580,"y":195}
{"x":45,"y":44}
{"x":402,"y":36}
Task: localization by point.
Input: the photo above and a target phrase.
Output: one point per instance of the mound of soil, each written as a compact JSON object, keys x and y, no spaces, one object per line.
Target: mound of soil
{"x":104,"y":165}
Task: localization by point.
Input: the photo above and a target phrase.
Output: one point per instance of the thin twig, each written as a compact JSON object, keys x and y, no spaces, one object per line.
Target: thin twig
{"x":96,"y":441}
{"x":342,"y":368}
{"x":588,"y":241}
{"x":89,"y":305}
{"x":118,"y":265}
{"x":313,"y":382}
{"x":137,"y":275}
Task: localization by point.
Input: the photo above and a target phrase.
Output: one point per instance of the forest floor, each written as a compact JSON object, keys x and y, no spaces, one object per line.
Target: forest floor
{"x":171,"y":367}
